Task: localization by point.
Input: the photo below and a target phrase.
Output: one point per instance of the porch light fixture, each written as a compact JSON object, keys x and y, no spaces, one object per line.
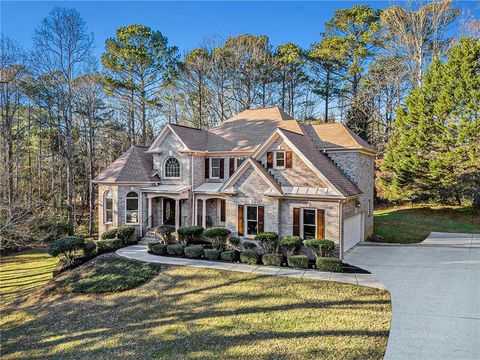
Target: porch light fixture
{"x":358,"y":204}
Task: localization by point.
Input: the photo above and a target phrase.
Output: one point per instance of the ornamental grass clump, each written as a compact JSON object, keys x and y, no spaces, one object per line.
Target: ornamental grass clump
{"x":218,"y":237}
{"x":269,"y":241}
{"x":291,"y":244}
{"x":67,"y":248}
{"x":321,"y":248}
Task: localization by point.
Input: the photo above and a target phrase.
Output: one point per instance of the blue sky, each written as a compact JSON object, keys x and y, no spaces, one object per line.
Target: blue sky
{"x":186,"y":24}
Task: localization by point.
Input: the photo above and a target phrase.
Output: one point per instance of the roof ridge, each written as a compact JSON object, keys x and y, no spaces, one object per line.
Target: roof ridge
{"x":186,"y":126}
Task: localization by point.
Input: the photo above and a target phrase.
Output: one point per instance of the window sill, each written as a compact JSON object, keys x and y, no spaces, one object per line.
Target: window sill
{"x":108,"y":223}
{"x":133,"y":224}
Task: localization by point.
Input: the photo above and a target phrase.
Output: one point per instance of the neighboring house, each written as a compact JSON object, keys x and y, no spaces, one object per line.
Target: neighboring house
{"x":258,"y":171}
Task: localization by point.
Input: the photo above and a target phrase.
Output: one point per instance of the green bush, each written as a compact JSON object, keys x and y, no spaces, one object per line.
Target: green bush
{"x":212,"y":254}
{"x":157,"y":249}
{"x":67,"y":247}
{"x":250,"y":245}
{"x":322,"y":248}
{"x":249,"y":257}
{"x":189,"y":234}
{"x":109,"y":234}
{"x":165,"y":232}
{"x":108,"y":245}
{"x":175,"y":249}
{"x":298,"y":261}
{"x":233,"y":243}
{"x":272,"y":259}
{"x":194,"y":251}
{"x":329,"y":264}
{"x":229,"y":255}
{"x":291,"y":244}
{"x":218,"y":236}
{"x":269,"y":241}
{"x":89,"y":248}
{"x":125,"y":233}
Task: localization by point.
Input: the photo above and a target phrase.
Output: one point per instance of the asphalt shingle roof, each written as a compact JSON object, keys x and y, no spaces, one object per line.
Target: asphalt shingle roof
{"x":134,"y":165}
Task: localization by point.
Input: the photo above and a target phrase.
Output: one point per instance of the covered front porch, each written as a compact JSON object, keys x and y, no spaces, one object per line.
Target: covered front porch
{"x":167,"y":205}
{"x":209,"y":206}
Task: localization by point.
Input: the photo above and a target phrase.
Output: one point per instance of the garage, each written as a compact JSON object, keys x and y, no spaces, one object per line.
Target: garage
{"x":352,"y":231}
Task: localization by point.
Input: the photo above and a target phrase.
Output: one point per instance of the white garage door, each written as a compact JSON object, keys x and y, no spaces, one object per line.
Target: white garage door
{"x":352,"y":231}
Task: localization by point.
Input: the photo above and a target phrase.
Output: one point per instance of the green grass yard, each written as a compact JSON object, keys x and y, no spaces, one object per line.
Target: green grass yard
{"x":414,"y":224}
{"x":21,"y":273}
{"x":194,"y":313}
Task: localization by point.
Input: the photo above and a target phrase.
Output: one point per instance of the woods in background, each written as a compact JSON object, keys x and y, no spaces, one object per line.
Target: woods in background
{"x":400,"y":78}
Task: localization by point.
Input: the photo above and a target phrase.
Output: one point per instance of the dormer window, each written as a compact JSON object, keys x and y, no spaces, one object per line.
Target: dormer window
{"x":172,"y":168}
{"x":279,"y":159}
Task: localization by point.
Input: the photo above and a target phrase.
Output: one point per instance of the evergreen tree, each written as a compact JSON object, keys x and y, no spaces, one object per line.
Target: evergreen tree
{"x":434,"y":151}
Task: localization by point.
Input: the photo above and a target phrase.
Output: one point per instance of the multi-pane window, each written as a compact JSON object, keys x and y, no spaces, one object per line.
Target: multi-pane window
{"x":239,"y":162}
{"x":215,"y":168}
{"x":252,"y":220}
{"x":172,"y":168}
{"x":279,"y":159}
{"x":309,"y":224}
{"x":131,"y":208}
{"x":108,"y":207}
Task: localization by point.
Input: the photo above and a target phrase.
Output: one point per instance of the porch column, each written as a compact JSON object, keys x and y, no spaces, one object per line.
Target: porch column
{"x":177,"y":213}
{"x":204,"y":213}
{"x":149,"y":213}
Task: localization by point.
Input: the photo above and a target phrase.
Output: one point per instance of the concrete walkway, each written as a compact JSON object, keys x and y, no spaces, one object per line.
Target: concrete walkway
{"x":140,"y":252}
{"x":435,"y":289}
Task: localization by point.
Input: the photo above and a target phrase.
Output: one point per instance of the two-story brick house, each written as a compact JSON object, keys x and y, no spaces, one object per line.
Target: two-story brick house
{"x":258,"y":171}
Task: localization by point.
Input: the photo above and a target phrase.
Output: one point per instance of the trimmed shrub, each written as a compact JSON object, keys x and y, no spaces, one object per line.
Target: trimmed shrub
{"x":194,"y":251}
{"x":108,"y":245}
{"x":229,"y":255}
{"x":212,"y":254}
{"x":250,"y":245}
{"x":175,"y":249}
{"x":157,"y":249}
{"x":125,"y":233}
{"x":67,"y":247}
{"x":322,"y":248}
{"x":189,"y":234}
{"x":298,"y":261}
{"x":249,"y":257}
{"x":233,"y":243}
{"x":165,"y":232}
{"x":291,"y":244}
{"x":272,"y":259}
{"x":218,"y":236}
{"x":89,"y":248}
{"x":269,"y":241}
{"x":109,"y":234}
{"x":329,"y":264}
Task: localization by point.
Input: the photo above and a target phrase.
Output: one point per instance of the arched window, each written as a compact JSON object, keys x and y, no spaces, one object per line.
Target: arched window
{"x":172,"y":168}
{"x":107,"y":207}
{"x":131,"y":208}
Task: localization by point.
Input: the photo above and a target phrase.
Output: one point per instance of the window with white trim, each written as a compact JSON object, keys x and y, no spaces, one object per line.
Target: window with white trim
{"x":239,"y":162}
{"x":172,"y":168}
{"x":279,"y":159}
{"x":251,"y":219}
{"x":308,"y":226}
{"x":107,"y":207}
{"x":131,"y":208}
{"x":214,"y":168}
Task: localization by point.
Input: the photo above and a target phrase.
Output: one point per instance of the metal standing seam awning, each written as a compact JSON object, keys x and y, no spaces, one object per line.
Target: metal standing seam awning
{"x":177,"y":191}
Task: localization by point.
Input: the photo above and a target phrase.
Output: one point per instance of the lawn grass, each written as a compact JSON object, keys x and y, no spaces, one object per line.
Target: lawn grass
{"x":195,"y":313}
{"x":414,"y":224}
{"x":23,"y":272}
{"x":107,"y":273}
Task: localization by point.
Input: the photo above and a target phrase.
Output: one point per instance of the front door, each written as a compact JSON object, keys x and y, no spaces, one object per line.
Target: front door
{"x":168,"y":211}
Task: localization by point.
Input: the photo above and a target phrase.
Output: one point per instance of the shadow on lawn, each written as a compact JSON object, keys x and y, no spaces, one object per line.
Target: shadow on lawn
{"x":161,"y":320}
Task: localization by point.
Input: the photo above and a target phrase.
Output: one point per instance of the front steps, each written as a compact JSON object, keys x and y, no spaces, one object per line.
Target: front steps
{"x":150,"y":236}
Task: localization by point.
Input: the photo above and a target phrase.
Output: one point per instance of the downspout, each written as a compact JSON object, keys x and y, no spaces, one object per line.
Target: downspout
{"x":340,"y":227}
{"x":192,"y":198}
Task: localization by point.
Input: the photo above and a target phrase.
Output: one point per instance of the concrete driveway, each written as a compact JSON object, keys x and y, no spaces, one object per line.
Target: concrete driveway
{"x":435,"y":289}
